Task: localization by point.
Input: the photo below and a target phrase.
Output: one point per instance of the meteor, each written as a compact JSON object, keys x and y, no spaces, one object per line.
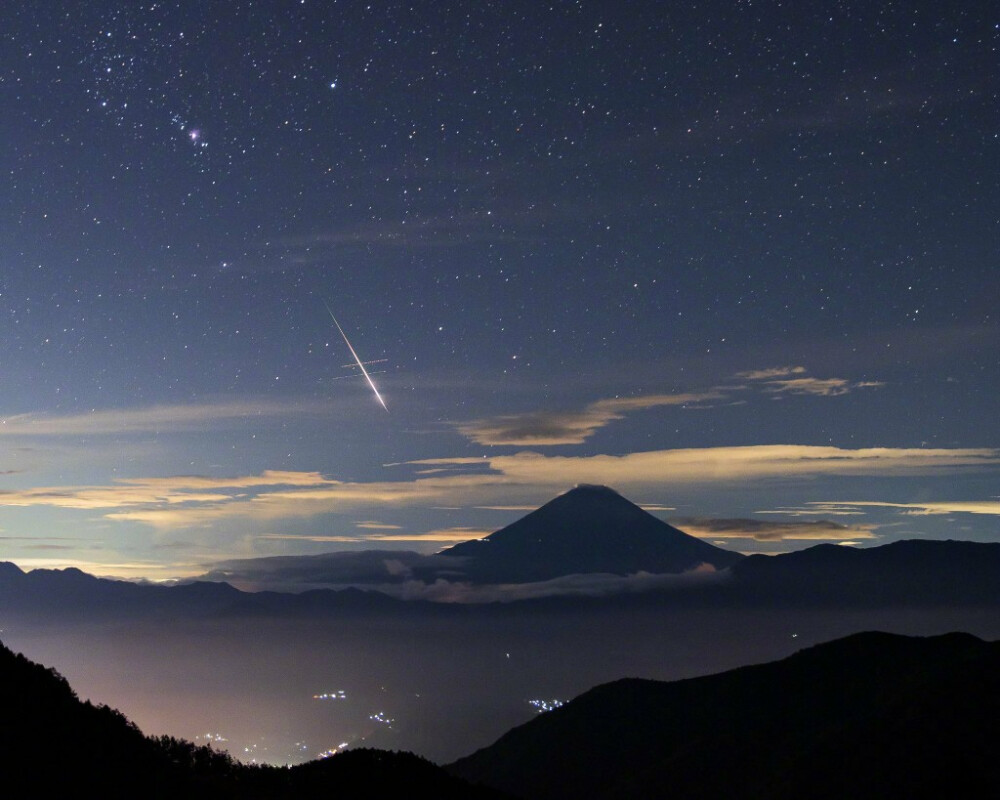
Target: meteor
{"x":361,"y":365}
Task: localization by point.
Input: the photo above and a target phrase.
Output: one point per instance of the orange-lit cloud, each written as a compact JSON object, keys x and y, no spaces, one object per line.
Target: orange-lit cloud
{"x":769,"y":531}
{"x":826,"y":509}
{"x":793,"y":380}
{"x":129,"y":570}
{"x":154,"y":419}
{"x":725,"y":464}
{"x":551,"y":428}
{"x":823,"y":387}
{"x":187,"y":501}
{"x":458,"y":534}
{"x":156,"y":492}
{"x":926,"y":509}
{"x":770,"y":372}
{"x":545,"y":428}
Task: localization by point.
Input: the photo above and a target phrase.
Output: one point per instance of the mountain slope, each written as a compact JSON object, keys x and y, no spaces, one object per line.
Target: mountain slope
{"x":917,"y":572}
{"x":53,"y":743}
{"x":50,"y":740}
{"x":589,"y":529}
{"x":871,"y":715}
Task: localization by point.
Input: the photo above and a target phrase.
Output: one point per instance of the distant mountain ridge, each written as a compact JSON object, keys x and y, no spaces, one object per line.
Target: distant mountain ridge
{"x":872,"y":715}
{"x":906,"y":573}
{"x":69,"y":593}
{"x":589,"y":529}
{"x":909,"y":571}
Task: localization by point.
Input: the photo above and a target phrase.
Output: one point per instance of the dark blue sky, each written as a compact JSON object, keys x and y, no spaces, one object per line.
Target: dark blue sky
{"x":646,"y":243}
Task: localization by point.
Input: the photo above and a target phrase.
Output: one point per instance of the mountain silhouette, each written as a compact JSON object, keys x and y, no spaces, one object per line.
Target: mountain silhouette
{"x":589,"y":529}
{"x":871,"y":715}
{"x":52,"y":743}
{"x":70,"y":593}
{"x":585,"y":531}
{"x":918,"y":572}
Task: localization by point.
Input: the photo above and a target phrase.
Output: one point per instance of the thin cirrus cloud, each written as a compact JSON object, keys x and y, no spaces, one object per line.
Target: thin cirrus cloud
{"x":726,"y":464}
{"x":822,"y":387}
{"x":458,"y":534}
{"x":991,"y":507}
{"x":770,"y":372}
{"x":153,"y":419}
{"x":372,"y":525}
{"x":794,"y":380}
{"x":188,"y":501}
{"x":551,"y":428}
{"x":811,"y":510}
{"x":770,"y":531}
{"x":544,"y":428}
{"x":541,"y":428}
{"x":154,"y":492}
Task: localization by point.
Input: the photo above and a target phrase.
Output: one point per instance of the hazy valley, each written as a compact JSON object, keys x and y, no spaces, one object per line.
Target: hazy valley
{"x":283,"y":678}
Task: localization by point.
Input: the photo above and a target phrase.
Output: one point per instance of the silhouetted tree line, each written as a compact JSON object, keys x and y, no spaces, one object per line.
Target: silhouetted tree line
{"x":51,"y":742}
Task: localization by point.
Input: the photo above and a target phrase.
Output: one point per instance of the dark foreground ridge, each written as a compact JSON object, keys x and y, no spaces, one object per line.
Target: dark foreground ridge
{"x":589,"y":529}
{"x":51,"y":743}
{"x":873,"y":715}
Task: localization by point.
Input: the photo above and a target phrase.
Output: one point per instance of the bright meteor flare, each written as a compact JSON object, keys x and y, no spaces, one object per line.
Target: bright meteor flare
{"x":361,"y":365}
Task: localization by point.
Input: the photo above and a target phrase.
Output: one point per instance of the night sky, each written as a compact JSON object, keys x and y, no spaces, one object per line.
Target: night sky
{"x":737,"y":260}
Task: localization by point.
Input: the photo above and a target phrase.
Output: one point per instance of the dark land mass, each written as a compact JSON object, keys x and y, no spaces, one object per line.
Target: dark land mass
{"x":51,"y":742}
{"x":248,"y":666}
{"x":920,"y":572}
{"x":70,"y":593}
{"x":589,"y":529}
{"x":871,"y":715}
{"x":906,"y":573}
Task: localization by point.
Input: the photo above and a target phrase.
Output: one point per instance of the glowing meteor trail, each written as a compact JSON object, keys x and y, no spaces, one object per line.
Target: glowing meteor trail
{"x":361,"y":365}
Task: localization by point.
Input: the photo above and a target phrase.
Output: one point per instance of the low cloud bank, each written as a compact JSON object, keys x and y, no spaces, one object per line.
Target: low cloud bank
{"x":412,"y":576}
{"x":592,"y":585}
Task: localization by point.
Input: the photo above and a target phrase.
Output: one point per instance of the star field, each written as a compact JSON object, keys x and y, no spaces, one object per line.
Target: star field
{"x":544,"y":217}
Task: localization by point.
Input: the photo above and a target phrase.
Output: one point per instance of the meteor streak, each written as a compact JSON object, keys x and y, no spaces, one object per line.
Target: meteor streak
{"x":367,"y":363}
{"x":361,"y":365}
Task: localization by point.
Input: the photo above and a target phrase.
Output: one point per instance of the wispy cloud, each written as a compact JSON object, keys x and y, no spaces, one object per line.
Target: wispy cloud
{"x":794,"y":380}
{"x":158,"y":492}
{"x":769,"y":531}
{"x":591,"y":585}
{"x":412,"y":576}
{"x":725,"y":464}
{"x":991,"y":507}
{"x":826,"y":509}
{"x":822,"y":387}
{"x":154,"y":419}
{"x":541,"y":428}
{"x":372,"y":525}
{"x":770,"y":372}
{"x":366,"y":568}
{"x":193,"y":501}
{"x":458,"y":534}
{"x":573,"y":427}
